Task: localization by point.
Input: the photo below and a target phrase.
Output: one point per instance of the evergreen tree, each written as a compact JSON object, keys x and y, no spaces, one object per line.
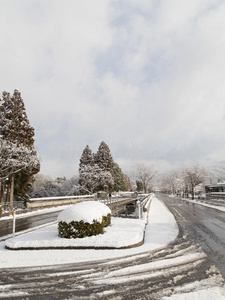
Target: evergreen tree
{"x":16,"y":129}
{"x":87,"y":158}
{"x":128,"y":183}
{"x":16,"y":126}
{"x":93,"y":179}
{"x":103,"y":158}
{"x":95,"y":171}
{"x":120,"y":181}
{"x":139,"y":185}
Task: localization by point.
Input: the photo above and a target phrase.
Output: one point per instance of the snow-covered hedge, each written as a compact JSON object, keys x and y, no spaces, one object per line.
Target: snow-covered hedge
{"x":84,"y":219}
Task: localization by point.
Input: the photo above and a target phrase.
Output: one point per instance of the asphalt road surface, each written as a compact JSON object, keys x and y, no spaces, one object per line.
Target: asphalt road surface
{"x":196,"y":255}
{"x":6,"y":226}
{"x":205,"y":226}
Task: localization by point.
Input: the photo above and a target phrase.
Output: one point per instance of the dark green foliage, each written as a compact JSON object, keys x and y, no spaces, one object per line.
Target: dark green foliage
{"x":87,"y":158}
{"x":106,"y":221}
{"x":0,"y":210}
{"x":82,"y":229}
{"x":139,"y":185}
{"x":16,"y":128}
{"x":120,"y":181}
{"x":103,"y":157}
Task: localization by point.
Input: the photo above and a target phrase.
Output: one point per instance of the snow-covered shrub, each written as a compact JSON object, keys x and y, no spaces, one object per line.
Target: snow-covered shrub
{"x":84,"y":219}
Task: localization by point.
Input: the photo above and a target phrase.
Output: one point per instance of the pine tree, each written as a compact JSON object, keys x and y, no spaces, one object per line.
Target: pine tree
{"x":103,"y":158}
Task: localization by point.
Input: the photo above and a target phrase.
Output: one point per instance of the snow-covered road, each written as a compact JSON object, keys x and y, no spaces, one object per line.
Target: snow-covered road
{"x":165,"y":266}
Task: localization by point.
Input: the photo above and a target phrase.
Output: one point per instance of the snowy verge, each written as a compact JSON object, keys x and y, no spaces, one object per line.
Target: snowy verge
{"x":216,"y":293}
{"x":217,"y":207}
{"x":122,"y":233}
{"x":160,"y":231}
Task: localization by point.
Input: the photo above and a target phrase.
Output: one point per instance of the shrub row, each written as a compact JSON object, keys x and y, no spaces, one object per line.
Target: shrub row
{"x":81,"y":229}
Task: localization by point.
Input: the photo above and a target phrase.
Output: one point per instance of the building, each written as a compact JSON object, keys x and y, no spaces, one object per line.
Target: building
{"x":212,"y":185}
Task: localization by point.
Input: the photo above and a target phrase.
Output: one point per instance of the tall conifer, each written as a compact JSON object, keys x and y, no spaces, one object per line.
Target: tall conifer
{"x":15,"y":128}
{"x":103,"y":158}
{"x":87,"y":158}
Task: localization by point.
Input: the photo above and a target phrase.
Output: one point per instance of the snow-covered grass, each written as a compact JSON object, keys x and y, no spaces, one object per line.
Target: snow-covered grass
{"x":160,"y":230}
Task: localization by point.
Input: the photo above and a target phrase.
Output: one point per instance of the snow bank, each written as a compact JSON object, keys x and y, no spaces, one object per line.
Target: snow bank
{"x":86,"y":211}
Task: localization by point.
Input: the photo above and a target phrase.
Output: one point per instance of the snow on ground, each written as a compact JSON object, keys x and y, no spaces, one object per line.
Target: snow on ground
{"x":161,"y":230}
{"x":216,"y":293}
{"x":121,"y":233}
{"x":221,"y":208}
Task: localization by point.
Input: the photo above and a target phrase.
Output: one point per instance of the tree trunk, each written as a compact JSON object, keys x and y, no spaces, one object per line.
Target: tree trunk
{"x":7,"y":195}
{"x":2,"y":194}
{"x":193,"y":193}
{"x":12,"y":191}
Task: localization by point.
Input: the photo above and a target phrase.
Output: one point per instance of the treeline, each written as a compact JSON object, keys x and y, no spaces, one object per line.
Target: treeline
{"x":183,"y":181}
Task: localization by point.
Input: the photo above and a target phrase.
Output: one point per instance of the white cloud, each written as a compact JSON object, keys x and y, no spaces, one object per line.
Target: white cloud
{"x":139,"y":71}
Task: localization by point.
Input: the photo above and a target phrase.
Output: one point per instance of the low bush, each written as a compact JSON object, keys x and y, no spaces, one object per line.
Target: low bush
{"x":82,"y":229}
{"x":0,"y":210}
{"x":106,"y":221}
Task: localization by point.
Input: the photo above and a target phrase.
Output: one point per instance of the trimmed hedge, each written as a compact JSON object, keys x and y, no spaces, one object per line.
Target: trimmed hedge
{"x":82,"y":229}
{"x":106,"y":221}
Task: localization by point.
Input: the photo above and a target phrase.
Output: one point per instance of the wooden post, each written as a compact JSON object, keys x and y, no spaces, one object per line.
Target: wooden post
{"x":12,"y":191}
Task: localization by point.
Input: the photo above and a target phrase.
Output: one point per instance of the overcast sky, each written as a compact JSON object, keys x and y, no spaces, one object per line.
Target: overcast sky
{"x":145,"y":76}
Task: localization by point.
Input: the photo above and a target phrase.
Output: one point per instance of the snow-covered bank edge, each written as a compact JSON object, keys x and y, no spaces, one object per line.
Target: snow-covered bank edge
{"x":161,"y":230}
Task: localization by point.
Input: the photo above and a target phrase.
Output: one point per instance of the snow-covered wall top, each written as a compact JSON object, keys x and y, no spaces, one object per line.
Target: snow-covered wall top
{"x":84,"y":211}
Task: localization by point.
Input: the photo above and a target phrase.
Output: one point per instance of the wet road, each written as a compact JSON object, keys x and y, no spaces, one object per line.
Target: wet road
{"x":205,"y":226}
{"x":6,"y":226}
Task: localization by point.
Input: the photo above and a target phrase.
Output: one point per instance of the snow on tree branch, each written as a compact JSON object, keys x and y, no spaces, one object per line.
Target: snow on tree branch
{"x":14,"y":158}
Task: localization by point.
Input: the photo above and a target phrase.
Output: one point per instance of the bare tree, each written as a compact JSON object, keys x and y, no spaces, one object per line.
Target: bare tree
{"x":193,"y":176}
{"x":146,"y":174}
{"x":173,"y":182}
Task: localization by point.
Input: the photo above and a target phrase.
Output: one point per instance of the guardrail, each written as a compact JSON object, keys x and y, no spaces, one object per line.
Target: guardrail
{"x":116,"y":203}
{"x":54,"y":201}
